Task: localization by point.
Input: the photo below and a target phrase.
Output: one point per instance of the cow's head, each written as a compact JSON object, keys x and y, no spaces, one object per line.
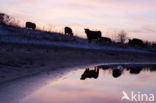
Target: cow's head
{"x":86,"y":30}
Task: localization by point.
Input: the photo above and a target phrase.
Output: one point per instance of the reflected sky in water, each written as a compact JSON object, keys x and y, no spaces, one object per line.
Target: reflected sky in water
{"x":105,"y":89}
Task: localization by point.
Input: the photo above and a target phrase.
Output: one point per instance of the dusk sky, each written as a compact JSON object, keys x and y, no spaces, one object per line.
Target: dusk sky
{"x":136,"y":17}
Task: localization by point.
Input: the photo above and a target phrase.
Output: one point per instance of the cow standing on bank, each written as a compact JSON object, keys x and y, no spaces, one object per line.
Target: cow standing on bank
{"x":93,"y":35}
{"x":68,"y":31}
{"x":136,"y":42}
{"x":30,"y":25}
{"x":154,"y":45}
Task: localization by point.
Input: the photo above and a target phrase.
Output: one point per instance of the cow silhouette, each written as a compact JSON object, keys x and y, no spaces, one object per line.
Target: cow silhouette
{"x":135,"y":70}
{"x":90,"y":73}
{"x":117,"y":71}
{"x":2,"y":18}
{"x":30,"y":25}
{"x":68,"y":31}
{"x":91,"y":35}
{"x":136,"y":42}
{"x":105,"y":40}
{"x":154,"y":45}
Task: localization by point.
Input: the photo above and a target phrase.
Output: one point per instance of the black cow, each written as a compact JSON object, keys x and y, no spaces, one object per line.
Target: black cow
{"x":90,"y":74}
{"x":135,"y":70}
{"x":136,"y":42}
{"x":2,"y":18}
{"x":105,"y":40}
{"x":117,"y":71}
{"x":154,"y":45}
{"x":93,"y":35}
{"x":68,"y":31}
{"x":30,"y":25}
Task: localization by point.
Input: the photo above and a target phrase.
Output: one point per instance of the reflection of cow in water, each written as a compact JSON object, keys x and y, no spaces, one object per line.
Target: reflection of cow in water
{"x":135,"y":70}
{"x":91,"y":35}
{"x":68,"y":31}
{"x":30,"y":25}
{"x":90,"y":73}
{"x":136,"y":42}
{"x":117,"y":71}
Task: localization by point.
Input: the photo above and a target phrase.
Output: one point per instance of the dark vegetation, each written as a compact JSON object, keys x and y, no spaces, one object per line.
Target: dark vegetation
{"x":92,"y":36}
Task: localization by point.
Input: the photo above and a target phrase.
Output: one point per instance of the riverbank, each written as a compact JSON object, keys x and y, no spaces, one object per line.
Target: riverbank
{"x":19,"y":60}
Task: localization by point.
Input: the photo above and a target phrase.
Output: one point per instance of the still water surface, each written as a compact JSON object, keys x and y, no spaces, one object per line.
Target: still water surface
{"x":101,"y":84}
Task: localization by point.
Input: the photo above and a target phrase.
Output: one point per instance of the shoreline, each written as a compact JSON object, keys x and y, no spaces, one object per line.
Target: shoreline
{"x":20,"y":60}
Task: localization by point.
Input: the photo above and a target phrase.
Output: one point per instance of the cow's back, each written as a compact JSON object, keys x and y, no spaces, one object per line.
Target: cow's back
{"x":93,"y":34}
{"x":67,"y":29}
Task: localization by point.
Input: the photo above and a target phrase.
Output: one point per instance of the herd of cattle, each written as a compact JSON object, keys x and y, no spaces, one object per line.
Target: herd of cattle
{"x":91,"y":35}
{"x":95,"y":35}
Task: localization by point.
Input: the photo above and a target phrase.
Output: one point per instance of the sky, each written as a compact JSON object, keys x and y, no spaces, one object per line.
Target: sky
{"x":136,"y":17}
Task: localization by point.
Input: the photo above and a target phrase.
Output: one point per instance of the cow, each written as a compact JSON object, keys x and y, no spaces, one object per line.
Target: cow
{"x":90,"y":74}
{"x":117,"y":71}
{"x":105,"y":40}
{"x":154,"y":45}
{"x":68,"y":31}
{"x":30,"y":25}
{"x":93,"y":35}
{"x":2,"y":18}
{"x":135,"y":42}
{"x":135,"y":70}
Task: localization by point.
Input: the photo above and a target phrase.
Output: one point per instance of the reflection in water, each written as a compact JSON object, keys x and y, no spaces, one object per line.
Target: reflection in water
{"x":103,"y":89}
{"x":135,"y":70}
{"x":90,"y":73}
{"x":117,"y":71}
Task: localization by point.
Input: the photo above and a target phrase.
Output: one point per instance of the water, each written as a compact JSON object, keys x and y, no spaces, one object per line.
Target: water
{"x":101,"y":84}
